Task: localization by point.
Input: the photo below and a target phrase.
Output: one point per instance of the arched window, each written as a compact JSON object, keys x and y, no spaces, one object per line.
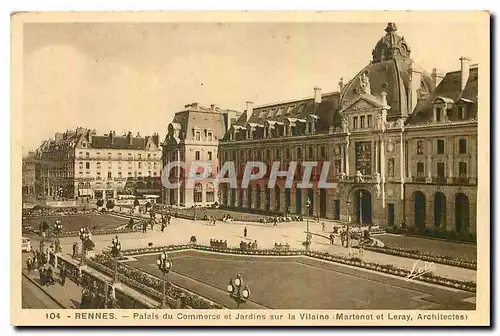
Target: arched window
{"x":198,"y":193}
{"x":210,"y":193}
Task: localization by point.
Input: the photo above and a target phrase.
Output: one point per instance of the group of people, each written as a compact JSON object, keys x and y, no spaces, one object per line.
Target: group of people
{"x":218,"y":243}
{"x":41,"y":261}
{"x":248,"y":246}
{"x":227,"y":218}
{"x":165,"y":220}
{"x":94,"y":297}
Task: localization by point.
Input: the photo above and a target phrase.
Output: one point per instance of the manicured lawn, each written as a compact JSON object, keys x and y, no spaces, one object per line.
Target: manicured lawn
{"x":453,"y":249}
{"x":74,"y":223}
{"x":303,"y":283}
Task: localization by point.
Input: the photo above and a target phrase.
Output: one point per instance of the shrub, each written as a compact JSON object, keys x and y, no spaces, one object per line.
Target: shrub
{"x":110,"y":204}
{"x":100,"y":203}
{"x":193,"y":239}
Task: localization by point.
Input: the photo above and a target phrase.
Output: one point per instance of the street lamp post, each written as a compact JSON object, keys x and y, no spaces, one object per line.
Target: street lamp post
{"x":115,"y":251}
{"x":360,"y":209}
{"x":308,"y":205}
{"x":348,"y":222}
{"x":237,"y":292}
{"x":164,"y":265}
{"x":84,"y":235}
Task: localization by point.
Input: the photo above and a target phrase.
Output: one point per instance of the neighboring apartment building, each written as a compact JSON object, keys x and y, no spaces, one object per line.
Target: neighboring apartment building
{"x":29,"y":175}
{"x":194,"y":135}
{"x":402,"y":144}
{"x":83,"y":164}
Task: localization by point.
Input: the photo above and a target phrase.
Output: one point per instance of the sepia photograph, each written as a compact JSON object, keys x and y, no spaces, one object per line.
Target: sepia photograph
{"x":235,"y":168}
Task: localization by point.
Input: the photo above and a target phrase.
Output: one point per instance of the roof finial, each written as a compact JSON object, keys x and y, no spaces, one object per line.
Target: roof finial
{"x":391,"y":27}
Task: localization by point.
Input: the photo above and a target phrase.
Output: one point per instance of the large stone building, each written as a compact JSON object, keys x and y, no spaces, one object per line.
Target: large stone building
{"x":194,"y":135}
{"x":402,"y":144}
{"x":81,"y":163}
{"x":29,"y":175}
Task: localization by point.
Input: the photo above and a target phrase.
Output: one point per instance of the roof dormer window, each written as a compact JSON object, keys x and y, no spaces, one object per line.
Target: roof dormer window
{"x":462,"y":112}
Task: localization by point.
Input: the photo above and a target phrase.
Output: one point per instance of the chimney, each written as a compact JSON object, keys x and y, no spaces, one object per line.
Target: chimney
{"x":156,"y":139}
{"x":317,"y":95}
{"x":138,"y":135}
{"x":437,"y":77}
{"x":464,"y":71}
{"x":130,"y":138}
{"x":89,"y":136}
{"x":212,"y":107}
{"x":249,"y":110}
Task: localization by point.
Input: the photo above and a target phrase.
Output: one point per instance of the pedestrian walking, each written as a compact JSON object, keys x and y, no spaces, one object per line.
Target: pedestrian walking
{"x":28,"y":264}
{"x":63,"y":275}
{"x":323,"y":226}
{"x":245,"y":231}
{"x":162,"y":227}
{"x":144,"y":227}
{"x":151,"y":223}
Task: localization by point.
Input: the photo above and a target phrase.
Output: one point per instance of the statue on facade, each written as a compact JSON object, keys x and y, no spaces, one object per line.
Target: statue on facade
{"x":365,"y":84}
{"x":344,"y":126}
{"x":342,"y":176}
{"x":359,"y":177}
{"x":377,"y":179}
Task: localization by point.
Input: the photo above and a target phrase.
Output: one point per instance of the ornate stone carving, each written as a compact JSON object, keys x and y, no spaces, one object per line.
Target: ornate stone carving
{"x":344,"y":126}
{"x":377,"y":179}
{"x":365,"y":84}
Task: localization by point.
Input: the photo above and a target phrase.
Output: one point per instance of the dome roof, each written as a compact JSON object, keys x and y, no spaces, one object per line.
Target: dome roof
{"x":391,"y":46}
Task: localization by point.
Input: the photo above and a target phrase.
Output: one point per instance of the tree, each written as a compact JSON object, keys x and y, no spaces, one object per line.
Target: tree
{"x":110,"y":204}
{"x":100,"y":203}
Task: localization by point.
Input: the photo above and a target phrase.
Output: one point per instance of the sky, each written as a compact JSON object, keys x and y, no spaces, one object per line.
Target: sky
{"x":135,"y":76}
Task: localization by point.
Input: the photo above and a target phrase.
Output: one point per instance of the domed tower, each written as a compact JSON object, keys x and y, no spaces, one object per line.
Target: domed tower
{"x":391,"y":46}
{"x":391,"y":74}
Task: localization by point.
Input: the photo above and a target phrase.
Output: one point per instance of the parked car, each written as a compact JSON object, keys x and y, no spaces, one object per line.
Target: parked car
{"x":26,"y":244}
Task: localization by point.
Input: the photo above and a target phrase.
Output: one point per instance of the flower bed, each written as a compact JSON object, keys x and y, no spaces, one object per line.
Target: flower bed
{"x":149,"y":284}
{"x":95,"y":232}
{"x":351,"y":261}
{"x":416,"y":254}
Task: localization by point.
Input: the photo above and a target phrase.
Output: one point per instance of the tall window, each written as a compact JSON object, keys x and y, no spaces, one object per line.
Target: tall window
{"x":287,"y":153}
{"x":364,"y":157}
{"x":209,"y":156}
{"x":210,"y":136}
{"x":440,"y":146}
{"x":139,"y":165}
{"x":440,"y":170}
{"x":198,"y":193}
{"x":462,"y":146}
{"x":369,"y":119}
{"x":299,"y":152}
{"x":354,"y":122}
{"x":462,"y":170}
{"x":438,"y":114}
{"x":462,"y":113}
{"x":362,"y":121}
{"x":322,"y":152}
{"x":210,"y":193}
{"x":198,"y":136}
{"x":420,"y":170}
{"x":87,"y":155}
{"x":87,"y":165}
{"x":197,"y":155}
{"x":420,"y":147}
{"x":109,"y":175}
{"x":278,"y":154}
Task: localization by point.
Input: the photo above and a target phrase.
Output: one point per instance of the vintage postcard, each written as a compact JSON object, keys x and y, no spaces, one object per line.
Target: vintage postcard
{"x":250,"y":169}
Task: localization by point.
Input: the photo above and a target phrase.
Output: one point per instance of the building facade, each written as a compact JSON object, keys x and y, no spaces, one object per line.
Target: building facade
{"x":194,"y":135}
{"x":81,"y":163}
{"x":401,"y":144}
{"x":29,"y":175}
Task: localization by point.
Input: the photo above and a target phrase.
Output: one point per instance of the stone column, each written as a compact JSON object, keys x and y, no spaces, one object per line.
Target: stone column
{"x":346,"y":157}
{"x":382,"y":171}
{"x":375,"y":144}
